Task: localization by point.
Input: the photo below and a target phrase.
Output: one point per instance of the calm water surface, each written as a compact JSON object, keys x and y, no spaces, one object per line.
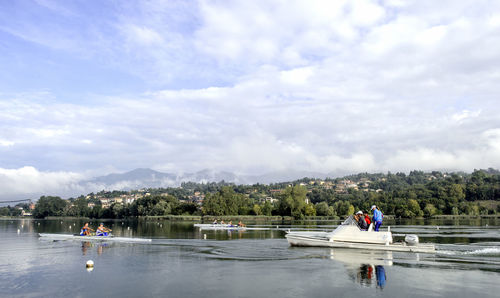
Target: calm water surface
{"x":181,"y":263}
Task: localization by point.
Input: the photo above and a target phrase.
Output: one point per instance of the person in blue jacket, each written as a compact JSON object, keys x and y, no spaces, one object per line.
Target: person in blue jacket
{"x":377,"y":217}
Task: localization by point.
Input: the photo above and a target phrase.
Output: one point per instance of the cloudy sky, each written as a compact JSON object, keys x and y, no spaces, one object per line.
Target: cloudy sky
{"x":93,"y":87}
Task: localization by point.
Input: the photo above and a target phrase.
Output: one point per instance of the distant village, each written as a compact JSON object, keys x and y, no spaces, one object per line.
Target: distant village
{"x":341,"y":187}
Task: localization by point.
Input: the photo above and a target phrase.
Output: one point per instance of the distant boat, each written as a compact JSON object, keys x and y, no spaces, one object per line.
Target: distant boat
{"x":95,"y":238}
{"x":225,"y":227}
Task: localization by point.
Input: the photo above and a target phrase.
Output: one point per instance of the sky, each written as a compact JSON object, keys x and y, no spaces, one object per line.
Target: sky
{"x":91,"y":87}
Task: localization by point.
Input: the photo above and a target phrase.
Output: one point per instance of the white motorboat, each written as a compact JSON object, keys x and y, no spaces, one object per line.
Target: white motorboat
{"x":95,"y":238}
{"x":349,"y":235}
{"x":225,"y":227}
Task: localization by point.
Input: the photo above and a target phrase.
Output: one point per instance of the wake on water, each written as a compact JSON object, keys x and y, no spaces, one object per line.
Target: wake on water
{"x":487,"y":251}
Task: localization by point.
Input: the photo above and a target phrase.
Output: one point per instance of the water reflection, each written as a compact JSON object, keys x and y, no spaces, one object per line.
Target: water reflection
{"x":101,"y":247}
{"x":366,"y":268}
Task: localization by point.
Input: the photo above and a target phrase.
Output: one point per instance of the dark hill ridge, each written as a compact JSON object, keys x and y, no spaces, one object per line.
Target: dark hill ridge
{"x":145,"y":178}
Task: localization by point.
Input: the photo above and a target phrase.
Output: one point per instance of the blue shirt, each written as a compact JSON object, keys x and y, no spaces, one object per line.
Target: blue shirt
{"x":377,"y":215}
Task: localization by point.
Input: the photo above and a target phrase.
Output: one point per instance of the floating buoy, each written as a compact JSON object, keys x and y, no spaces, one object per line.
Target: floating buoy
{"x":437,"y":227}
{"x":128,"y":228}
{"x":161,"y":226}
{"x":38,"y":223}
{"x":70,"y":227}
{"x":22,"y":226}
{"x":205,"y":236}
{"x":18,"y":231}
{"x":90,"y":265}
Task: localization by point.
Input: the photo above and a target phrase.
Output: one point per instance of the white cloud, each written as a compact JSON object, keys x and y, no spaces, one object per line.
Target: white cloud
{"x":27,"y":181}
{"x":143,"y":36}
{"x":6,"y":143}
{"x":465,"y":114}
{"x":250,"y":87}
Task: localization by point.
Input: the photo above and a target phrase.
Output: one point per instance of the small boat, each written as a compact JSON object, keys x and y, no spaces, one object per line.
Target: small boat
{"x":98,"y":238}
{"x":349,"y":235}
{"x":225,"y":227}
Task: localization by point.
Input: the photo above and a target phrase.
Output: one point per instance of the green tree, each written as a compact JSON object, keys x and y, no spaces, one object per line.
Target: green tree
{"x":257,"y":210}
{"x":322,"y":209}
{"x":430,"y":210}
{"x":292,"y":201}
{"x":267,"y":209}
{"x":49,"y":206}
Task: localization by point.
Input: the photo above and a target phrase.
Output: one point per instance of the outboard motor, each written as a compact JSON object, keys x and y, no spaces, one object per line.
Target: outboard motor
{"x":411,"y":240}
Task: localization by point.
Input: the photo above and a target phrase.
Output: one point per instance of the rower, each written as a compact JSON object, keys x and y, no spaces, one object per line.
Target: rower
{"x":230,"y":224}
{"x":85,"y":231}
{"x":215,"y":222}
{"x":102,"y":231}
{"x":240,"y":224}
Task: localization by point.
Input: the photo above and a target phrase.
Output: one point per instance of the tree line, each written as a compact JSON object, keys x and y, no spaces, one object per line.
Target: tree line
{"x":403,"y":195}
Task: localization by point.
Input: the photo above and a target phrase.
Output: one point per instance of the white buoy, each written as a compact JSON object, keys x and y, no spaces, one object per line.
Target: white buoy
{"x":18,"y":231}
{"x":205,"y":236}
{"x":128,"y":228}
{"x":70,"y":227}
{"x":22,"y":226}
{"x":161,"y":226}
{"x":90,"y":265}
{"x":38,"y":223}
{"x":437,"y":227}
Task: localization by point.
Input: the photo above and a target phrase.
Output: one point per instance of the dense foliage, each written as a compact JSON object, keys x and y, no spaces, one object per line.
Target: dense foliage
{"x":403,"y":195}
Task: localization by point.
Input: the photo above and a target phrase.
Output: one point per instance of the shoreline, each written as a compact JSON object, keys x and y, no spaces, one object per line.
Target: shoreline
{"x":252,"y":218}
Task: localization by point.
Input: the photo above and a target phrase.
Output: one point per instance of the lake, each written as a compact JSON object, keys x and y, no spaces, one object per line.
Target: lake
{"x":180,"y":262}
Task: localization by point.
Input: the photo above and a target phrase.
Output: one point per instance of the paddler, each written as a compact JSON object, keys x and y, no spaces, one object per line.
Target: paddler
{"x":240,"y":224}
{"x":102,"y":230}
{"x":85,"y":231}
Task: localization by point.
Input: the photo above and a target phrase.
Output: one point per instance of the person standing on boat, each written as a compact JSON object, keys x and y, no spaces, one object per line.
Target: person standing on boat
{"x":102,"y":231}
{"x":377,"y":217}
{"x":361,"y":220}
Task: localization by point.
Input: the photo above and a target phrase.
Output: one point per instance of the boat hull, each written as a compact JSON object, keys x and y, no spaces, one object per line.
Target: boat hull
{"x":318,"y":241}
{"x":95,"y":238}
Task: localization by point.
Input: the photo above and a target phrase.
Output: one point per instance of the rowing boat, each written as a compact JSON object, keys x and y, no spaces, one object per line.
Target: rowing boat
{"x":98,"y":238}
{"x":225,"y":227}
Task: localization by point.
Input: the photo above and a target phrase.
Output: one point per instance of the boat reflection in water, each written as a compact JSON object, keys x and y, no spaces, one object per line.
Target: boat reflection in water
{"x":364,"y":267}
{"x":88,"y":244}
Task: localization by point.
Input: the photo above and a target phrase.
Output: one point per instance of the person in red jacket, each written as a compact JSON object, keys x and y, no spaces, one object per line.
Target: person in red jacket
{"x":367,"y":218}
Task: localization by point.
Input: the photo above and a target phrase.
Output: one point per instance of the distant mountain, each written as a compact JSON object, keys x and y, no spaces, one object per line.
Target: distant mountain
{"x":146,"y":178}
{"x":283,"y":176}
